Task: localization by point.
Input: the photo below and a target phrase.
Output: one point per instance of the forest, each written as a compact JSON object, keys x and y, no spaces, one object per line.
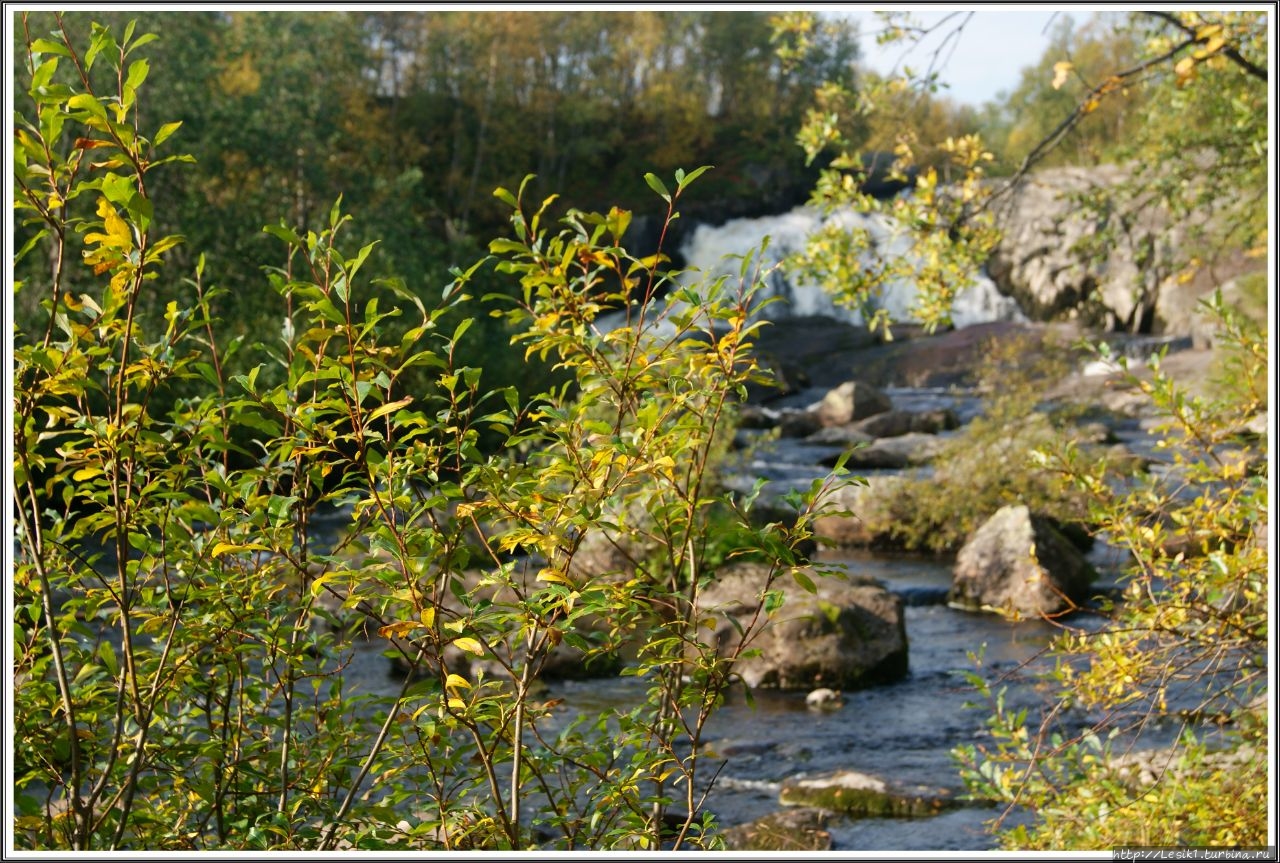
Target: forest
{"x":309,"y":351}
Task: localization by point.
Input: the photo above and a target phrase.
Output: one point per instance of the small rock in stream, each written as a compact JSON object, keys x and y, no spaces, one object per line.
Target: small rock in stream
{"x":797,"y":830}
{"x":866,"y":796}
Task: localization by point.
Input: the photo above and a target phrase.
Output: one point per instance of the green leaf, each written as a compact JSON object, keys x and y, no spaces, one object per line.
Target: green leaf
{"x":86,"y":102}
{"x":138,"y":71}
{"x":43,"y":74}
{"x":164,"y":132}
{"x":802,"y":578}
{"x":108,"y":656}
{"x":506,"y":197}
{"x":48,"y":46}
{"x":143,"y":40}
{"x":683,"y":179}
{"x":284,"y":233}
{"x":140,"y":209}
{"x":118,"y":189}
{"x":657,"y":186}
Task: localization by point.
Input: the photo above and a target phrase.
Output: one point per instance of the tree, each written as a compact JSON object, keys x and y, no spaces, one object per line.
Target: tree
{"x":1075,"y":62}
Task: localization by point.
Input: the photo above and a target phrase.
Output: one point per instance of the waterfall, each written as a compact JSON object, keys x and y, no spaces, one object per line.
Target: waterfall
{"x":713,"y":250}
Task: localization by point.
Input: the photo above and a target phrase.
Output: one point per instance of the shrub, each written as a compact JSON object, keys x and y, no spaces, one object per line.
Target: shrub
{"x":1182,"y":654}
{"x":174,"y":688}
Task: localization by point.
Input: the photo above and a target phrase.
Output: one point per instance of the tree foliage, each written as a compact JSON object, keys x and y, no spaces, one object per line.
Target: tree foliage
{"x":414,"y":117}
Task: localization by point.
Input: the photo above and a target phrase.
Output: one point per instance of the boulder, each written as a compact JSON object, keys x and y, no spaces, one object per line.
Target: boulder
{"x":1050,"y":258}
{"x":847,"y":635}
{"x":756,"y":417}
{"x":793,"y":423}
{"x":1021,"y":564}
{"x":865,"y":796}
{"x":851,"y":401}
{"x":794,"y":830}
{"x":894,"y":423}
{"x":892,"y":453}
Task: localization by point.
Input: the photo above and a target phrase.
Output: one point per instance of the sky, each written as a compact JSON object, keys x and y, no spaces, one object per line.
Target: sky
{"x":996,"y":44}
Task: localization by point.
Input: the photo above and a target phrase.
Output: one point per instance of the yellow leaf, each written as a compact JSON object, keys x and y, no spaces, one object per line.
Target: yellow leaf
{"x":457,"y":681}
{"x":1061,"y":71}
{"x":117,"y":234}
{"x":457,"y":704}
{"x":469,"y":645}
{"x":1208,"y":31}
{"x":553,"y":576}
{"x":398,"y":628}
{"x":428,"y":617}
{"x":221,"y":548}
{"x":388,"y":408}
{"x":1184,"y":69}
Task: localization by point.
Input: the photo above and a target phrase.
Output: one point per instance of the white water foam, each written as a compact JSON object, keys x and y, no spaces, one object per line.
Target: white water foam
{"x":711,"y":251}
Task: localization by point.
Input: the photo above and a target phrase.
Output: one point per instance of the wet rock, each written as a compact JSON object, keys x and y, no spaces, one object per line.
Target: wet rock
{"x":847,"y":635}
{"x":845,"y":435}
{"x":796,"y":830}
{"x":914,"y":597}
{"x":852,"y":401}
{"x":894,"y":423}
{"x":1019,"y":563}
{"x":1257,"y":425}
{"x":893,"y":453}
{"x":863,"y":795}
{"x":784,"y":379}
{"x":756,"y":417}
{"x":795,"y":423}
{"x":1094,"y":433}
{"x":1047,"y":257}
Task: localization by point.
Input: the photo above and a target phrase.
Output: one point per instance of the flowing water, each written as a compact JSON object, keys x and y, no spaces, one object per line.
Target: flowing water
{"x":902,"y":731}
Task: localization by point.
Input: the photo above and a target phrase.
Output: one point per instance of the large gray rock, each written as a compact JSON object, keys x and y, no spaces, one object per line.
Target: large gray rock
{"x":852,"y":401}
{"x":847,"y":635}
{"x":793,"y":423}
{"x":1019,"y":564}
{"x":1051,"y":261}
